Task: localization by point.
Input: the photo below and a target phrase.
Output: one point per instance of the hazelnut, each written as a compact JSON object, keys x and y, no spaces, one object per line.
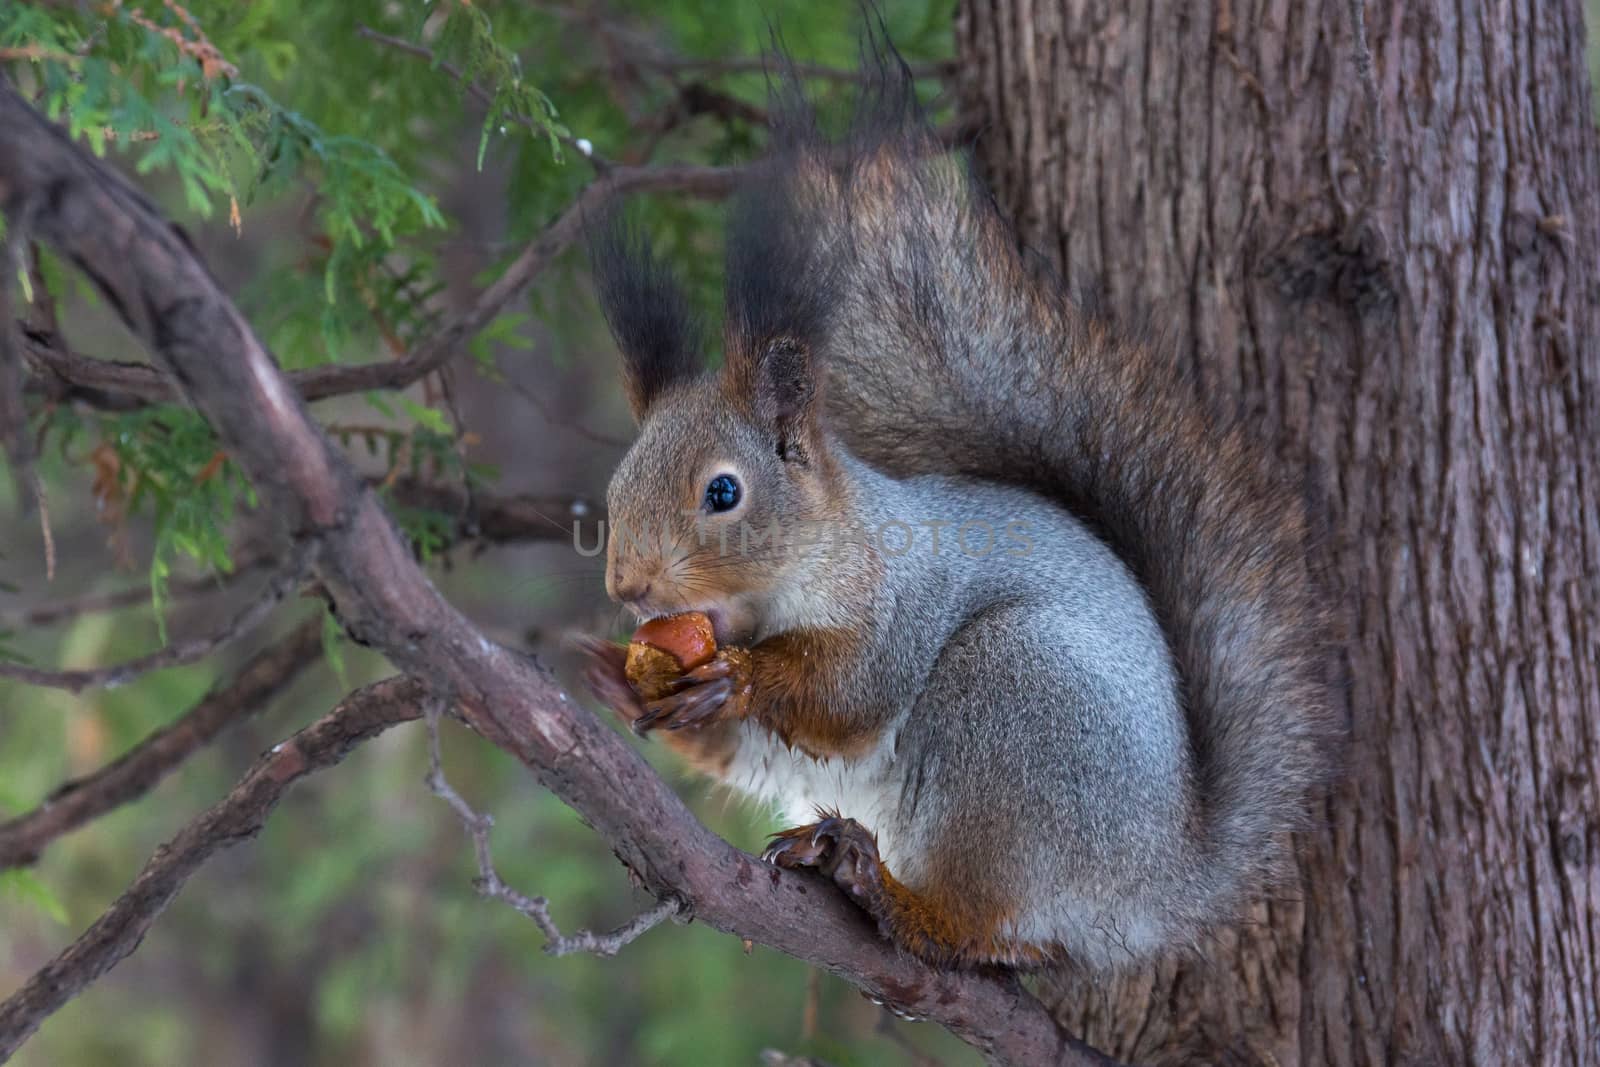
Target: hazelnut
{"x":665,"y":648}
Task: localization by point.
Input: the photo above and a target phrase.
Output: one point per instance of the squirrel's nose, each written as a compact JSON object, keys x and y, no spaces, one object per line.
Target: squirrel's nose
{"x":630,"y":591}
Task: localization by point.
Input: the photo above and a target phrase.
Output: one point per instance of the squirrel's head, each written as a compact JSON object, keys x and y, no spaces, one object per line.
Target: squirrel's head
{"x":731,"y":466}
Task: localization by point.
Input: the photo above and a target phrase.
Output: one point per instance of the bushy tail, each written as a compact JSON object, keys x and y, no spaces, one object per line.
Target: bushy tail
{"x":948,"y":354}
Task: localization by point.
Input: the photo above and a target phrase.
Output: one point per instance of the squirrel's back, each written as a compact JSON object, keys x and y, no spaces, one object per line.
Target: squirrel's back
{"x":947,"y":354}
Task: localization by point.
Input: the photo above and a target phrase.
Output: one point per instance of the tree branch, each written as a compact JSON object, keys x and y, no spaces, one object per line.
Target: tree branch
{"x":489,"y":883}
{"x":237,"y":817}
{"x":48,"y":355}
{"x":500,"y":519}
{"x":141,"y":768}
{"x":489,"y":518}
{"x":152,"y":278}
{"x":179,"y":653}
{"x":696,"y":98}
{"x":50,"y":612}
{"x":100,"y":383}
{"x":477,"y":92}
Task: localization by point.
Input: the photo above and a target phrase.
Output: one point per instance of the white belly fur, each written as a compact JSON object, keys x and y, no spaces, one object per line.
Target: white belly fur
{"x":862,"y":789}
{"x":867,"y":789}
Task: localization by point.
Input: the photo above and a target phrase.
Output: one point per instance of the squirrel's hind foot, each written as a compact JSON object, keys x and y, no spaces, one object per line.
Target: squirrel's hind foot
{"x":940,"y":927}
{"x":847,"y":853}
{"x":840,"y":848}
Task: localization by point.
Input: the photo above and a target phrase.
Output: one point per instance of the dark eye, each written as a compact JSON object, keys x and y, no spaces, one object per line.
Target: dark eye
{"x":722,"y":493}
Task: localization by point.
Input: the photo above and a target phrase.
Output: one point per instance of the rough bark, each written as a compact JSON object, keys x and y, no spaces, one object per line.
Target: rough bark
{"x":1422,"y":338}
{"x":151,"y":278}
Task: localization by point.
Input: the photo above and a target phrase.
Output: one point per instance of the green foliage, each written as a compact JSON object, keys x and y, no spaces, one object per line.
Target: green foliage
{"x":151,"y":85}
{"x":351,"y":195}
{"x":22,"y":884}
{"x":162,"y":463}
{"x":7,"y":652}
{"x":11,"y":802}
{"x":486,"y":62}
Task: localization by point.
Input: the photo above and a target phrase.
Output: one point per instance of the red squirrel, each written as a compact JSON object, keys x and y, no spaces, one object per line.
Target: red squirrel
{"x":1085,"y":740}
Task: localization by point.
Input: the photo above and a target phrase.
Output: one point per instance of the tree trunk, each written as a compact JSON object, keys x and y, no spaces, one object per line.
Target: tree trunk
{"x":1422,"y":337}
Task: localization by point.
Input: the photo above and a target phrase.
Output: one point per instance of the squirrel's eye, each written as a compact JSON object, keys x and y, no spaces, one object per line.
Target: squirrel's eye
{"x":722,"y":493}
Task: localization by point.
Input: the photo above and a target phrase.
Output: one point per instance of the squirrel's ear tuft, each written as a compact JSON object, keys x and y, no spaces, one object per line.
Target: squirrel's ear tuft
{"x":779,"y":301}
{"x":660,"y":338}
{"x":783,"y":392}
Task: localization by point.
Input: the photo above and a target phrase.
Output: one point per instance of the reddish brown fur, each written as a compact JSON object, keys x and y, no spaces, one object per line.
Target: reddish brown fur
{"x":795,"y":677}
{"x":708,"y":749}
{"x":884,"y":287}
{"x":955,"y":919}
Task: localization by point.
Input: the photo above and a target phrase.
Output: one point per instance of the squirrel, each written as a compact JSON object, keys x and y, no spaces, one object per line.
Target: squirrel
{"x":1085,"y":739}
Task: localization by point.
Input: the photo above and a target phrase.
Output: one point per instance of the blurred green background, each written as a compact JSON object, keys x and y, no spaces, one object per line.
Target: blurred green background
{"x":373,"y":197}
{"x":350,"y":931}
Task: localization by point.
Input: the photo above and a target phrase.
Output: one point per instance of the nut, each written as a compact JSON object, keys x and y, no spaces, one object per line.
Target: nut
{"x":665,"y":648}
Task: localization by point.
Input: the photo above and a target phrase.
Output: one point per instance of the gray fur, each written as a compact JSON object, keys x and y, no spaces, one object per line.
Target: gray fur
{"x":1115,"y":731}
{"x":1032,"y":714}
{"x":947,"y":354}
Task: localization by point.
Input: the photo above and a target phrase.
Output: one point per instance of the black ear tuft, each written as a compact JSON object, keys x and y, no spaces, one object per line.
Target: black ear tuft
{"x":785,"y":393}
{"x":886,"y":112}
{"x":779,"y":296}
{"x":660,"y":338}
{"x":792,"y":223}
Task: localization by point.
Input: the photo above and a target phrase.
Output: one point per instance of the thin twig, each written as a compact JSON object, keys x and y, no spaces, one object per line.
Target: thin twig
{"x":489,"y":883}
{"x":539,"y":404}
{"x":711,"y":68}
{"x":317,"y":383}
{"x":15,"y":441}
{"x":13,"y":413}
{"x":45,"y":530}
{"x":143,"y":767}
{"x":179,"y":653}
{"x":698,"y":98}
{"x":500,"y":519}
{"x":645,"y":51}
{"x":161,"y":291}
{"x":488,"y":518}
{"x":50,"y":612}
{"x":478,"y":93}
{"x":237,"y":817}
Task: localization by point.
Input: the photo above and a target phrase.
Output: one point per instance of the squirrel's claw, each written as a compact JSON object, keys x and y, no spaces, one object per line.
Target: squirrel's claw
{"x":720,"y":666}
{"x":694,"y":706}
{"x":840,"y":848}
{"x":718,"y":689}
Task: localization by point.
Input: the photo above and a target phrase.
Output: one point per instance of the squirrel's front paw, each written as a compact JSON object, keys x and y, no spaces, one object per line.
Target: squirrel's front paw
{"x":605,"y":674}
{"x":716,"y":691}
